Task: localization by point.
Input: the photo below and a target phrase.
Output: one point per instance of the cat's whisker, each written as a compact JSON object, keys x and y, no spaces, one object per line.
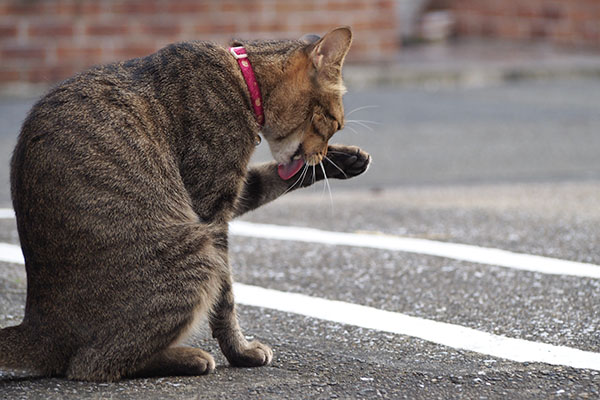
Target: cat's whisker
{"x":366,"y":121}
{"x":360,"y":123}
{"x":363,"y":125}
{"x":304,"y":174}
{"x":335,"y":165}
{"x":351,"y":128}
{"x":301,"y":177}
{"x":324,"y":178}
{"x":361,"y":108}
{"x":327,"y":184}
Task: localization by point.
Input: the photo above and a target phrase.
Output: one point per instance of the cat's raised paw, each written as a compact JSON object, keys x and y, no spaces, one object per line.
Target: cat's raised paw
{"x":345,"y":162}
{"x":255,"y":354}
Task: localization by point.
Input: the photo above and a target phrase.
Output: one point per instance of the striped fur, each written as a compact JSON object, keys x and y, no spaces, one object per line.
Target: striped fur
{"x":123,"y":180}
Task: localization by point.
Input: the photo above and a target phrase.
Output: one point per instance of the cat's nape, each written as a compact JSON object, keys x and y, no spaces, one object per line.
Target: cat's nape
{"x":124,"y":179}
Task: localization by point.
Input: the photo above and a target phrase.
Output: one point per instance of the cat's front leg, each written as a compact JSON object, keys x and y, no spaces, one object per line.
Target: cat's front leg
{"x":225,"y":328}
{"x":263,"y":183}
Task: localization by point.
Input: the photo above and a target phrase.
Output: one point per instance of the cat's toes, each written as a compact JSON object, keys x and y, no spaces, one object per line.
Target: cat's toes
{"x":346,"y":161}
{"x":197,"y":365}
{"x":177,"y":361}
{"x":255,"y":354}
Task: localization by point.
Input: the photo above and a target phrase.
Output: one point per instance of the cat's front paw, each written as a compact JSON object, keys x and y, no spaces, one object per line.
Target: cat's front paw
{"x":255,"y":354}
{"x":345,"y":162}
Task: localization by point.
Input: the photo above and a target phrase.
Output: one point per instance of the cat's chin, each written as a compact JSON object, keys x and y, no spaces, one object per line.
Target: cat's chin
{"x":287,"y":170}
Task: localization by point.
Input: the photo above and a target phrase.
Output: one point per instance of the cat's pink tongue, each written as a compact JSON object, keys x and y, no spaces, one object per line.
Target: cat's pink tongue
{"x":286,"y":171}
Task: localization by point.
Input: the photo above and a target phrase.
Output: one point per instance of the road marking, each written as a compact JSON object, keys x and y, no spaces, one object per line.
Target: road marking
{"x":11,"y":253}
{"x":456,"y":251}
{"x":6,"y":213}
{"x":463,"y":252}
{"x":455,"y":336}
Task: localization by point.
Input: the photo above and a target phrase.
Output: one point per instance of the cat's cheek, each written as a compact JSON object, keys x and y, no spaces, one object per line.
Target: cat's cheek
{"x":315,"y":148}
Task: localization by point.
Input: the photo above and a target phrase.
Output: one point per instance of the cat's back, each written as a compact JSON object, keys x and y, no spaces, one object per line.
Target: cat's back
{"x":96,"y":149}
{"x":139,"y":93}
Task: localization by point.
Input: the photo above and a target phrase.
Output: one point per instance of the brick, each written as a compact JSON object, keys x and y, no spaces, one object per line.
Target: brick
{"x":51,"y":29}
{"x":335,"y":5}
{"x":233,"y":6}
{"x":79,"y":8}
{"x":489,"y":29}
{"x":8,"y":30}
{"x":187,"y":7}
{"x":539,"y":29}
{"x":107,"y":28}
{"x":134,"y":50}
{"x":318,"y":27}
{"x":22,"y":8}
{"x":75,"y":54}
{"x":49,"y":74}
{"x":158,"y":28}
{"x":553,"y":11}
{"x":292,"y":6}
{"x":23,"y":53}
{"x":271,"y":26}
{"x":526,"y":10}
{"x":135,"y":7}
{"x":227,"y":28}
{"x":9,"y":75}
{"x":387,"y":5}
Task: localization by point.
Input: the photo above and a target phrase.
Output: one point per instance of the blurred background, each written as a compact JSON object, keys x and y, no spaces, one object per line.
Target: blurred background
{"x":443,"y":91}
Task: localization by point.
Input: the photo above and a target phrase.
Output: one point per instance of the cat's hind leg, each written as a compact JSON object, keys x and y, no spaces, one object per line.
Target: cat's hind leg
{"x":177,"y":361}
{"x":139,"y":326}
{"x":225,"y":328}
{"x":137,"y":354}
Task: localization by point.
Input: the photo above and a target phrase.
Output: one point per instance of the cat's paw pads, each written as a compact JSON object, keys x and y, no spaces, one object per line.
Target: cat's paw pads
{"x":255,"y":354}
{"x":345,"y":162}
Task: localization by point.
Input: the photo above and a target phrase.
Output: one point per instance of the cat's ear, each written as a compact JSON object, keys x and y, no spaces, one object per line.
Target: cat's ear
{"x":331,"y":50}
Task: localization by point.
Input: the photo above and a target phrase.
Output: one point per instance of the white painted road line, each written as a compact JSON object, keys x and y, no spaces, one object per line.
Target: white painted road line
{"x":437,"y":332}
{"x":11,"y":253}
{"x":6,"y":213}
{"x":456,"y":251}
{"x":463,"y":252}
{"x":455,"y":336}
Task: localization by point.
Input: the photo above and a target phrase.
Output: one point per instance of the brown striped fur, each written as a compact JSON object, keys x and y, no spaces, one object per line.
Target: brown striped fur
{"x":123,"y":181}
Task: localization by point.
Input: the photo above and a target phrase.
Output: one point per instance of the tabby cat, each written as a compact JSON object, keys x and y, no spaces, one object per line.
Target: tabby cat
{"x":124,"y":179}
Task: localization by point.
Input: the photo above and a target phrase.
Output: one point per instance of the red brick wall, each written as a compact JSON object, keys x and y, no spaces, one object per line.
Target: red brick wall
{"x":568,"y":22}
{"x":42,"y":41}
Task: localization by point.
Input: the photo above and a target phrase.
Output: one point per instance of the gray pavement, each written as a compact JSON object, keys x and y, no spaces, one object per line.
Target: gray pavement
{"x":514,"y":166}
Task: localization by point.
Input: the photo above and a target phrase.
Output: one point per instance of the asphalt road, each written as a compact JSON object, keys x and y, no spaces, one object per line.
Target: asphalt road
{"x":513,"y":167}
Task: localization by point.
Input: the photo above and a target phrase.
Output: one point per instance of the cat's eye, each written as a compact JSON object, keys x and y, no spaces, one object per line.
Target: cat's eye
{"x":337,"y":123}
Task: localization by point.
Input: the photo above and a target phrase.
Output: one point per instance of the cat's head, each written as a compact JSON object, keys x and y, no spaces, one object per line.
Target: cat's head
{"x":305,"y":107}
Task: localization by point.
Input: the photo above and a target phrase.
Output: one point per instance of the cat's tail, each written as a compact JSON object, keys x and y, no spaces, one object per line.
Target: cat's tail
{"x":19,"y":349}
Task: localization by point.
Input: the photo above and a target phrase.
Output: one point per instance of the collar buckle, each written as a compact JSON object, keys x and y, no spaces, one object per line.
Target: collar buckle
{"x":236,"y":55}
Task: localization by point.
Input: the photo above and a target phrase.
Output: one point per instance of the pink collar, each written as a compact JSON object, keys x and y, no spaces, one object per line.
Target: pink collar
{"x":242,"y":58}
